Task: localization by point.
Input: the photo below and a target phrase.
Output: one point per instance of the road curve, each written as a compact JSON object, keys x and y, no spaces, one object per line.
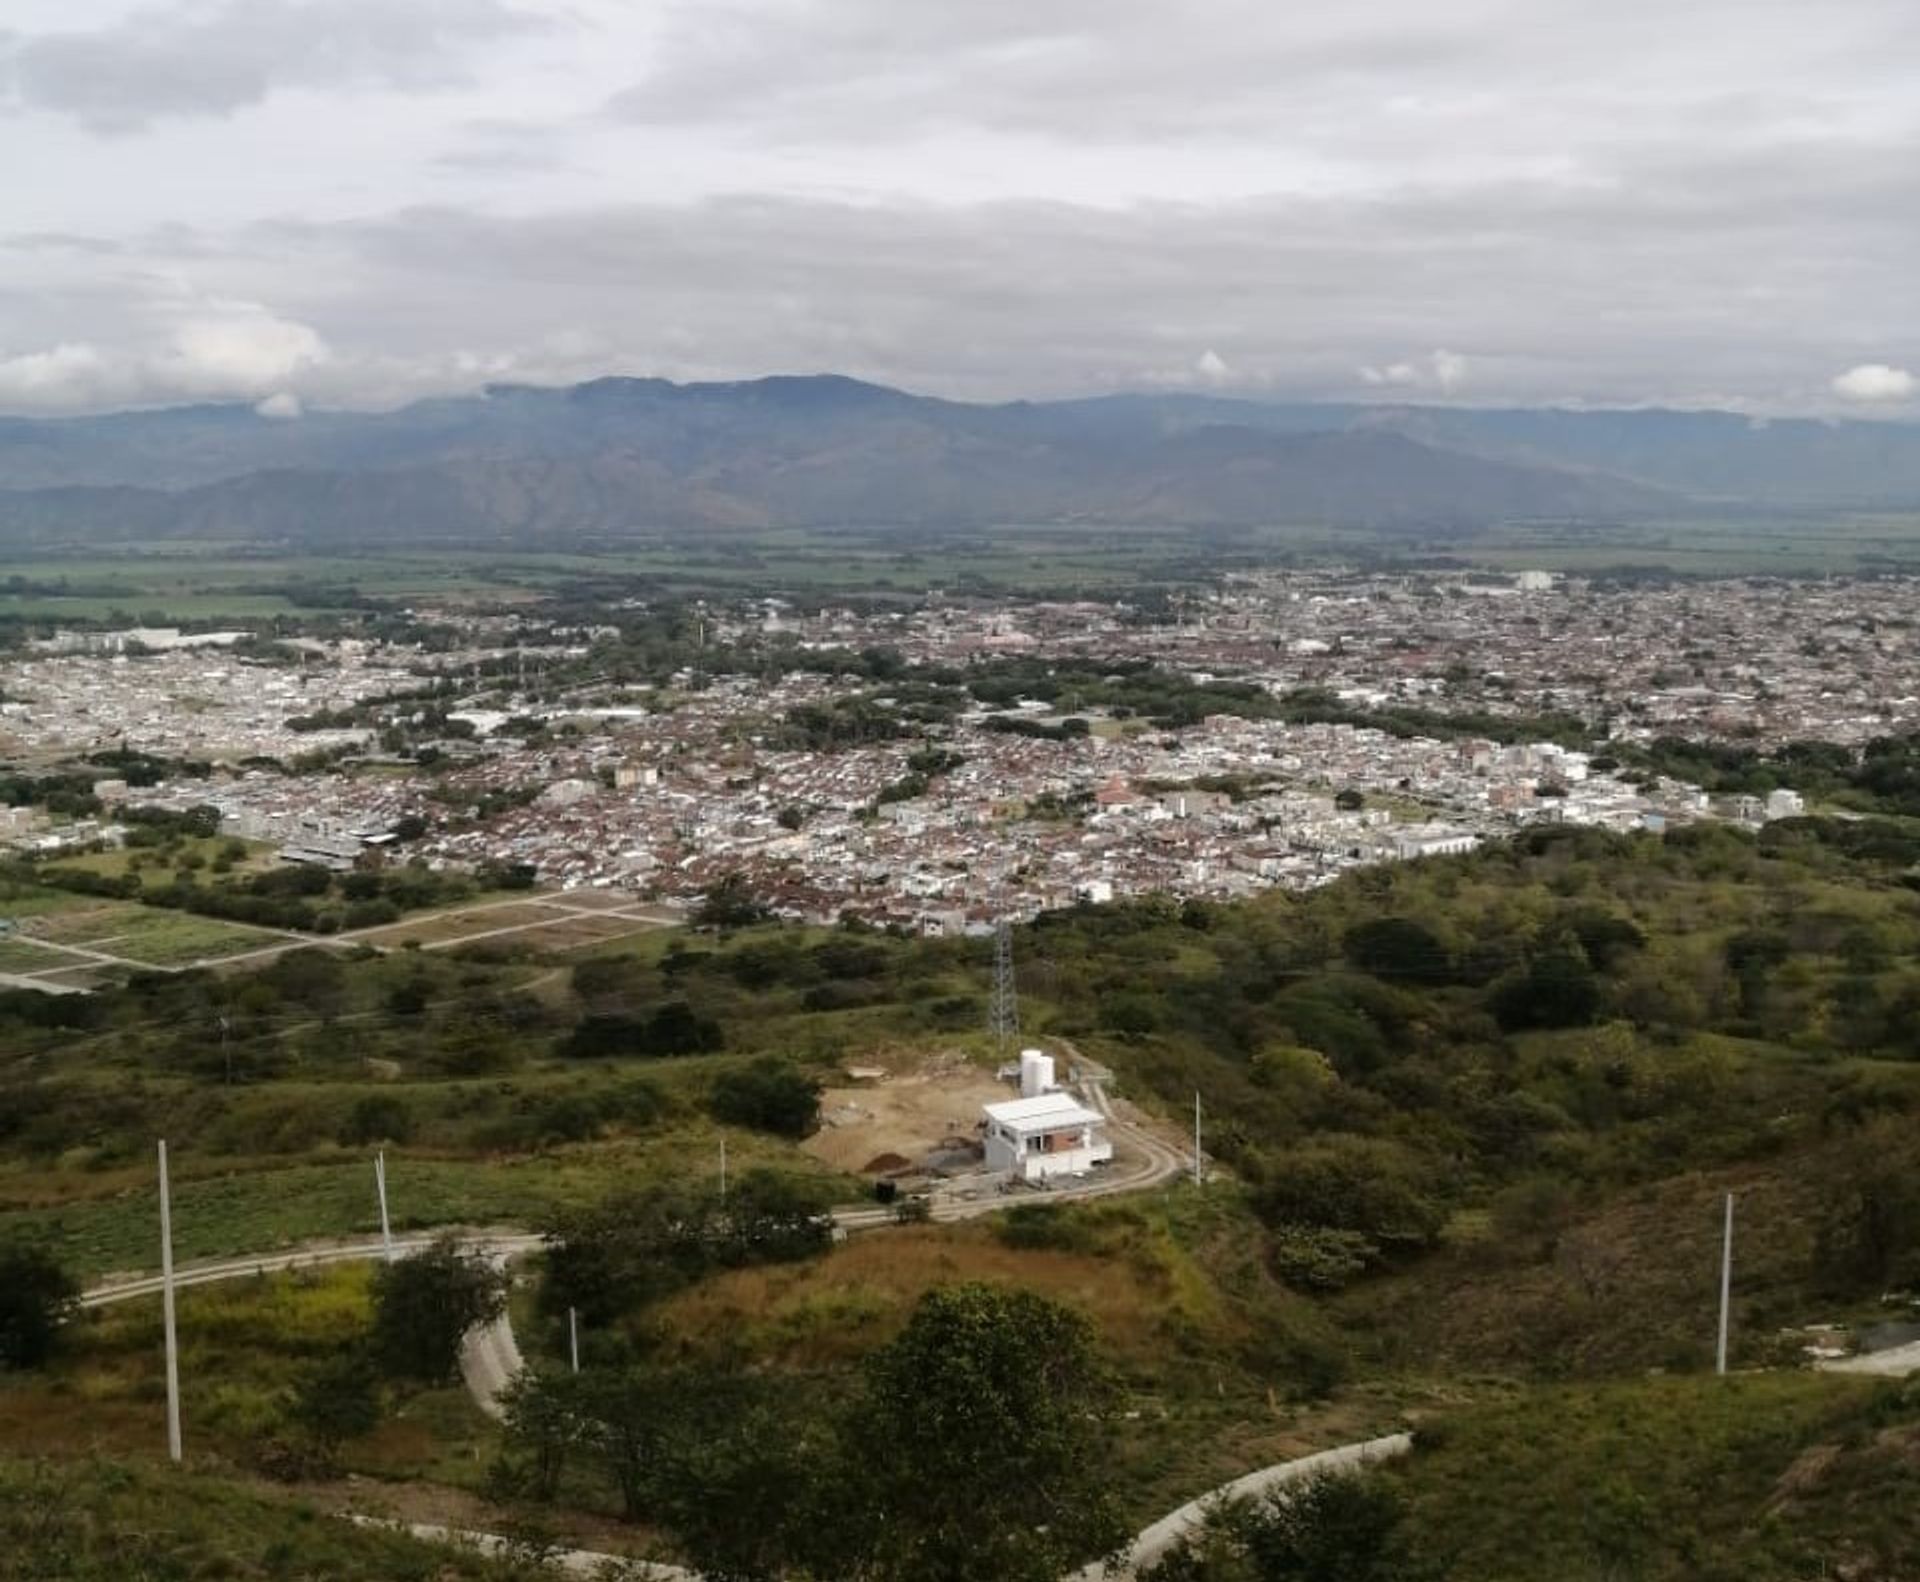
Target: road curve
{"x":1152,"y":1544}
{"x":569,"y":1562}
{"x":505,"y":1244}
{"x":490,"y":1356}
{"x":1896,"y":1362}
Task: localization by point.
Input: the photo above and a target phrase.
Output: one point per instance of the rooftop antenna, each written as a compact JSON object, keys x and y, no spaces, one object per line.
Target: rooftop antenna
{"x":1003,"y":1015}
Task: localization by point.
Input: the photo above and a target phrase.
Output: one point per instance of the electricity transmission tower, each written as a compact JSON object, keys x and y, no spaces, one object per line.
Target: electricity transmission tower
{"x":1003,"y":1014}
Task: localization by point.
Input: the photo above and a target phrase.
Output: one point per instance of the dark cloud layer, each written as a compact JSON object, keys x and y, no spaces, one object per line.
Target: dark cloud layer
{"x":1491,"y":201}
{"x":183,"y":59}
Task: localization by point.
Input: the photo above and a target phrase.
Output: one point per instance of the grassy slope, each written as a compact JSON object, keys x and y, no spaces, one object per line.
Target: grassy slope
{"x":1223,"y":1369}
{"x":276,"y":1204}
{"x":95,"y":1520}
{"x":1766,"y":1478}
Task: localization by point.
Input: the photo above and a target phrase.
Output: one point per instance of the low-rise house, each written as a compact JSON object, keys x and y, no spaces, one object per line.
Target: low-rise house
{"x":1053,"y":1134}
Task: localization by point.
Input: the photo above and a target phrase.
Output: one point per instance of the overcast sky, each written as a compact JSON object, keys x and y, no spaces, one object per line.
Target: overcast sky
{"x":359,"y":202}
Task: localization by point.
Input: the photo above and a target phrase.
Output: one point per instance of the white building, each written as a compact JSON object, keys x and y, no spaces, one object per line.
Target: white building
{"x":1051,"y":1135}
{"x":1432,"y":840}
{"x":1785,"y":804}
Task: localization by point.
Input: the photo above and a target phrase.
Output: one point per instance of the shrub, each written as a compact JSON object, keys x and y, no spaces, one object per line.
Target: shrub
{"x":770,"y":1096}
{"x":36,"y":1294}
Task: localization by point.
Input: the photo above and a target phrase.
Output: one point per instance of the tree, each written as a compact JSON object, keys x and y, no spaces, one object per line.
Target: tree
{"x":377,"y":1117}
{"x":423,"y":1307}
{"x":977,"y":1444}
{"x":1557,"y":989}
{"x":1869,"y":1237}
{"x":770,"y":1096}
{"x":637,"y":1246}
{"x":675,"y":1028}
{"x":1370,"y":1186}
{"x":548,"y":1423}
{"x":1398,"y":948}
{"x":729,"y":903}
{"x":36,"y":1295}
{"x":1339,"y":1527}
{"x":338,"y":1399}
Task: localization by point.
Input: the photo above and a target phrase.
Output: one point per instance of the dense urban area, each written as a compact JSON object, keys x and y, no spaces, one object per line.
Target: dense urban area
{"x":942,"y":762}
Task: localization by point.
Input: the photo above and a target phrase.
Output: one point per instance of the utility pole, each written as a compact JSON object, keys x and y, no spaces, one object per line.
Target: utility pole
{"x":723,"y":1167}
{"x":166,"y":1310}
{"x":1726,"y":1287}
{"x":573,"y":1336}
{"x":1196,"y":1138}
{"x":380,"y":1184}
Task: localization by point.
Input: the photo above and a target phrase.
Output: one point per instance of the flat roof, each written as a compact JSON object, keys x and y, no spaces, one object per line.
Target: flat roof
{"x":1044,"y":1113}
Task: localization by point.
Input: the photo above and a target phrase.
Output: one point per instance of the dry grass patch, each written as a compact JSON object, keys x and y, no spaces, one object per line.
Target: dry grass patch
{"x":1149,"y":1303}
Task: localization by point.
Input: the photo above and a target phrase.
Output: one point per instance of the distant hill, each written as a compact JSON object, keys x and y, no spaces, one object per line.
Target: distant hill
{"x":637,"y":454}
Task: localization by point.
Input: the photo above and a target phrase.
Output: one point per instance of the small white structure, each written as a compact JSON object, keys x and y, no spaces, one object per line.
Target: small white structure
{"x":1036,"y":1073}
{"x":1780,"y":804}
{"x":1052,"y":1135}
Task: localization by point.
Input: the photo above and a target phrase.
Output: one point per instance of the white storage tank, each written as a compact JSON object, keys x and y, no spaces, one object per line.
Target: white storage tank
{"x":1036,"y":1073}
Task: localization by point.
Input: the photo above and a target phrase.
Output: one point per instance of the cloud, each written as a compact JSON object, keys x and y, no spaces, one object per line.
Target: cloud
{"x":1875,"y":382}
{"x":236,"y":348}
{"x":184,"y":347}
{"x":1391,"y":200}
{"x":283,"y":405}
{"x":70,"y":374}
{"x":1441,"y":370}
{"x":196,"y":59}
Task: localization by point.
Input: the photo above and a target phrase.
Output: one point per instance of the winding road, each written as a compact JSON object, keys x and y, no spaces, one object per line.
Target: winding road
{"x":1143,"y":1551}
{"x":490,"y":1357}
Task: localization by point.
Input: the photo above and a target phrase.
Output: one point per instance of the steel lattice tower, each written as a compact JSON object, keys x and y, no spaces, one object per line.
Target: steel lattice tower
{"x":1003,"y":1015}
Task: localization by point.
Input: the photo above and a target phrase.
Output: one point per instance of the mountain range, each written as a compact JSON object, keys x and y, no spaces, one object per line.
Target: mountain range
{"x":522,"y":463}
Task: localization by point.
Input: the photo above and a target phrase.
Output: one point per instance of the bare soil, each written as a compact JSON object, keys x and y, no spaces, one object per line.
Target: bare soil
{"x":882,"y":1127}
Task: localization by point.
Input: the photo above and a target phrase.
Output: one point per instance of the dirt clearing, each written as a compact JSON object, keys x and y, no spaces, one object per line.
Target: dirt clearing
{"x":894,"y":1124}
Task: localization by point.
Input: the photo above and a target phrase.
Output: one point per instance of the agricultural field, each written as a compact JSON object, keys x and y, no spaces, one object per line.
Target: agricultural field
{"x":555,"y":923}
{"x":126,"y":934}
{"x":210,"y":584}
{"x":1823,"y":546}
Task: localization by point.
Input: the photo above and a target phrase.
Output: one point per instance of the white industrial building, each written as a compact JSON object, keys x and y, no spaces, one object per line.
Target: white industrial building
{"x":1052,"y":1134}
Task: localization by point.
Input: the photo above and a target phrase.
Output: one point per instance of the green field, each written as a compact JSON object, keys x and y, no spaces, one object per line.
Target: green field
{"x":227,"y":1206}
{"x":1790,"y":546}
{"x":148,"y":935}
{"x":23,"y":956}
{"x":189,"y":582}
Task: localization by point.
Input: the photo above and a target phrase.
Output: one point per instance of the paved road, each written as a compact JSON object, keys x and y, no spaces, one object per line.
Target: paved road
{"x":1896,"y":1362}
{"x":496,"y":1243}
{"x":569,"y":1562}
{"x":1145,"y":1549}
{"x":1152,"y":1544}
{"x":490,"y":1357}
